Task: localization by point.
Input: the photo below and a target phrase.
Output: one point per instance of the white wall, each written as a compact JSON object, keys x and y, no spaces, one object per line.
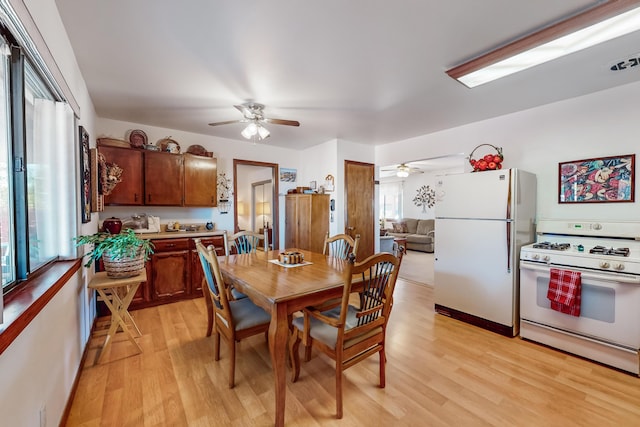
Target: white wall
{"x":597,"y":125}
{"x":410,"y":187}
{"x":39,"y":367}
{"x":320,"y":161}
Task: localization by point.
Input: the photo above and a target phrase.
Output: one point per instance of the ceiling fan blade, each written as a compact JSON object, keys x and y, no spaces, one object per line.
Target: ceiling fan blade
{"x":282,"y":122}
{"x":228,"y":122}
{"x":242,"y":109}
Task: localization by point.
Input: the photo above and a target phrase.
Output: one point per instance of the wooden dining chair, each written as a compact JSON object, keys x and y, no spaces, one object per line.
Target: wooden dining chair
{"x":340,"y":245}
{"x":350,"y":334}
{"x":234,"y":320}
{"x":205,"y":290}
{"x":244,"y":242}
{"x":248,"y":241}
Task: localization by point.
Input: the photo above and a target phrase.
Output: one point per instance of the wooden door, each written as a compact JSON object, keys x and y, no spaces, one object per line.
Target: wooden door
{"x":163,"y":179}
{"x":200,"y":180}
{"x":359,"y":205}
{"x":129,"y":191}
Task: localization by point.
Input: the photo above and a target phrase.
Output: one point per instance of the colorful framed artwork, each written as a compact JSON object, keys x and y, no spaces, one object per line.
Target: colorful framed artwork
{"x":85,"y":175}
{"x":597,"y":180}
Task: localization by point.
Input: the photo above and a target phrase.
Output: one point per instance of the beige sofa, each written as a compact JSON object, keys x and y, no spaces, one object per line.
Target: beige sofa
{"x":420,"y":233}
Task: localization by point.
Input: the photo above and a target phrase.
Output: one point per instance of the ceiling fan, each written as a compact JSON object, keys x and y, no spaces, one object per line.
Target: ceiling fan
{"x":403,"y":170}
{"x":254,"y":115}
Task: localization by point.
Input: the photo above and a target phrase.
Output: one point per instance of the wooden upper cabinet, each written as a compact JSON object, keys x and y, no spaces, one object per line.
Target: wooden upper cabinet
{"x":200,"y":180}
{"x":163,"y":179}
{"x":130,"y":190}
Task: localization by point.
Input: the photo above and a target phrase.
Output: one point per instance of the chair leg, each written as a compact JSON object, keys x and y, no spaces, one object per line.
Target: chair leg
{"x":307,"y":352}
{"x":383,"y":360}
{"x":216,"y":345}
{"x":338,"y":389}
{"x":306,"y":338}
{"x":232,"y":363}
{"x":294,"y":355}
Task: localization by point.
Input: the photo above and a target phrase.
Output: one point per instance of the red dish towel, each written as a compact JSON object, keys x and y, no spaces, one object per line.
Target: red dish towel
{"x":564,"y":291}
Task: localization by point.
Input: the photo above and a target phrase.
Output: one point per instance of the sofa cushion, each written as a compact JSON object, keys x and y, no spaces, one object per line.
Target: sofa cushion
{"x":419,"y":238}
{"x":412,"y":225}
{"x":399,"y":227}
{"x":425,"y":226}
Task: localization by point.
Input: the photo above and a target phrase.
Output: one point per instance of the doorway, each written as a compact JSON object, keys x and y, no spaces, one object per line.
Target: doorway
{"x":262,"y":203}
{"x":397,"y":194}
{"x":255,"y":190}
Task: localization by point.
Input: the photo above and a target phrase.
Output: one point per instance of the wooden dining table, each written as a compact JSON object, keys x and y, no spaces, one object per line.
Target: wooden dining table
{"x":281,"y":291}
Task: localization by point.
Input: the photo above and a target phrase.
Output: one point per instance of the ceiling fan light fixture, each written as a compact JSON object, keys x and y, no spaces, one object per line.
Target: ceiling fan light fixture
{"x":250,"y":130}
{"x":578,"y":32}
{"x":263,"y":132}
{"x":402,"y":173}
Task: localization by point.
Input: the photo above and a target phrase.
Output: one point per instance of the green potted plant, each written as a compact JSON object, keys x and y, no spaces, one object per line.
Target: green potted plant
{"x":123,"y":254}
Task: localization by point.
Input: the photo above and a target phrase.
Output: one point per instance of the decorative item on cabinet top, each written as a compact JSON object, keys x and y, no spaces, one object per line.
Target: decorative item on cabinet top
{"x":199,"y":150}
{"x":138,"y":138}
{"x":113,"y":142}
{"x":491,"y":161}
{"x":169,"y":145}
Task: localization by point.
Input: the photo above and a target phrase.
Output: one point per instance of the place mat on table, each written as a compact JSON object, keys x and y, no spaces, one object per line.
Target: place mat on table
{"x":275,"y":261}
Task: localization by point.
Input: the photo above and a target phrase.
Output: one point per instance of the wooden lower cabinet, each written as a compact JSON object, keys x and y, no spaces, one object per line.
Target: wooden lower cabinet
{"x":170,"y":275}
{"x":174,"y":272}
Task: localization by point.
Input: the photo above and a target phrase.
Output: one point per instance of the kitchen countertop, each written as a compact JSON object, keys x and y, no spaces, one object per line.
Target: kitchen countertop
{"x":181,"y":234}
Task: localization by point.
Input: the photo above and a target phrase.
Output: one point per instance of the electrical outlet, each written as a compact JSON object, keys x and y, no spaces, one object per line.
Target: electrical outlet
{"x":43,"y":416}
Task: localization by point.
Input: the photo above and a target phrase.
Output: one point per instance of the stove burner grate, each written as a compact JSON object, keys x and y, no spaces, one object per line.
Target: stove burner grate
{"x":552,"y":246}
{"x":609,"y":251}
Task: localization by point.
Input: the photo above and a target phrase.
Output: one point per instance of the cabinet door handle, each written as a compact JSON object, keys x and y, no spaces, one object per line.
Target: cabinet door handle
{"x":135,"y":197}
{"x":170,"y":245}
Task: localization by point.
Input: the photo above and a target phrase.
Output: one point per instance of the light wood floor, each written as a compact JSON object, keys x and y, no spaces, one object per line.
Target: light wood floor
{"x":440,"y":372}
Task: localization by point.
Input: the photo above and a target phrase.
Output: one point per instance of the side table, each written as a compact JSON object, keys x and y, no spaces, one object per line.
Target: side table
{"x":117,"y":295}
{"x":401,"y":241}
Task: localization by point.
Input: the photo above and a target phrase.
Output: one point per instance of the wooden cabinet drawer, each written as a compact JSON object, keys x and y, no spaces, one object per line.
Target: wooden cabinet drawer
{"x":217,"y":242}
{"x":164,"y":245}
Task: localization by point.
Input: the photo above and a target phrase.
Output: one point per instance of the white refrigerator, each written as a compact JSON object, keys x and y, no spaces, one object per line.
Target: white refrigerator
{"x":482,"y":220}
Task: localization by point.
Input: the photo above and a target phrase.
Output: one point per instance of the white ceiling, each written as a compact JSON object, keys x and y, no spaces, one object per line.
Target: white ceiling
{"x":366,"y":71}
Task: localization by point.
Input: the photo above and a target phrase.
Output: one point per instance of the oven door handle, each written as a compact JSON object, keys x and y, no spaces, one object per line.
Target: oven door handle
{"x":614,"y":277}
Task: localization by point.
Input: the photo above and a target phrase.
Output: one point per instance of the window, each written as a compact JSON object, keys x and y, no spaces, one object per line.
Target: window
{"x":38,"y":171}
{"x":6,"y":202}
{"x":391,"y":200}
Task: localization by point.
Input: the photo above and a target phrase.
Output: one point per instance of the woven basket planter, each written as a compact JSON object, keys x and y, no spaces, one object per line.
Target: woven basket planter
{"x":119,"y":268}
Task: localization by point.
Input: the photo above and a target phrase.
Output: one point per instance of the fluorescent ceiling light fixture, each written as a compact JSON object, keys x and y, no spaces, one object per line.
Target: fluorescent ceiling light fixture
{"x":597,"y":25}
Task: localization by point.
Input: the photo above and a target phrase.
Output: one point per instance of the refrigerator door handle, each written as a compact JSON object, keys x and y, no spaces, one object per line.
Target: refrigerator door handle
{"x":508,"y":241}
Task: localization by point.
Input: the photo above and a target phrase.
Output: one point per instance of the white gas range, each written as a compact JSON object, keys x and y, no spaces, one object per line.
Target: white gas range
{"x":607,"y":255}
